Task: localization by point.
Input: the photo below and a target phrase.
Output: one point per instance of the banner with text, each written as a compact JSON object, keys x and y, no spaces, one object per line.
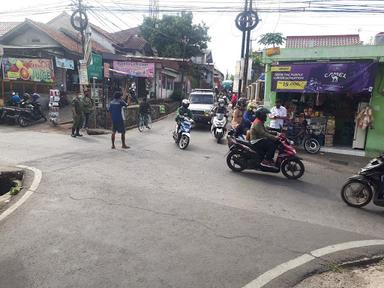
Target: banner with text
{"x":137,"y":69}
{"x":348,"y":77}
{"x":37,"y":70}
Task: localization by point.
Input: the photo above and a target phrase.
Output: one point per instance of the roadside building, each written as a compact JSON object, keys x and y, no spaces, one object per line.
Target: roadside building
{"x":339,"y":90}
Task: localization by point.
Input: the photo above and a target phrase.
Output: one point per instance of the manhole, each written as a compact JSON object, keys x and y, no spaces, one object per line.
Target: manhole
{"x":5,"y":185}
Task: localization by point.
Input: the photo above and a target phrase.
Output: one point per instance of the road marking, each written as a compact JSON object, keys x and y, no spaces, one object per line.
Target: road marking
{"x":35,"y":184}
{"x":274,"y":273}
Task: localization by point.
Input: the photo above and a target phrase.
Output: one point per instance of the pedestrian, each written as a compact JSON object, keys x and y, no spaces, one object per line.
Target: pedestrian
{"x":87,"y":108}
{"x":77,"y":114}
{"x":116,"y":109}
{"x":277,"y":116}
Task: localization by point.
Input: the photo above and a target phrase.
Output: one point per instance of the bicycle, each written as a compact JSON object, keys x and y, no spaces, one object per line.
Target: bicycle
{"x":144,"y":121}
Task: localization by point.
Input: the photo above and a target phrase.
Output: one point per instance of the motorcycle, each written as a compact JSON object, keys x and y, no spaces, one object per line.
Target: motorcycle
{"x":243,"y":155}
{"x":9,"y":114}
{"x":30,"y":114}
{"x":304,"y":135}
{"x":218,"y":127}
{"x":182,"y":136}
{"x":359,"y":189}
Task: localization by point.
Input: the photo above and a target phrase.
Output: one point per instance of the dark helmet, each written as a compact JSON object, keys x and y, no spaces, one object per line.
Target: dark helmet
{"x":242,"y":103}
{"x":221,"y":102}
{"x":185,"y":103}
{"x":262,"y":113}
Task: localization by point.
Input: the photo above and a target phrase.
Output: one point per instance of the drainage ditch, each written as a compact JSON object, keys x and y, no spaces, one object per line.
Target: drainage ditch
{"x":9,"y":179}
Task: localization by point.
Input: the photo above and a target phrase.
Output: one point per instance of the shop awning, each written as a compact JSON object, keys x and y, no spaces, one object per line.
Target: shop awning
{"x":336,"y":77}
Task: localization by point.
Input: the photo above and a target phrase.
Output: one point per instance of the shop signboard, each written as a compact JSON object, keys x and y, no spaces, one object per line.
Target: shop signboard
{"x":83,"y":73}
{"x":107,"y":66}
{"x":136,"y":69}
{"x":95,"y":68}
{"x":65,"y":63}
{"x":37,"y":70}
{"x":347,"y":77}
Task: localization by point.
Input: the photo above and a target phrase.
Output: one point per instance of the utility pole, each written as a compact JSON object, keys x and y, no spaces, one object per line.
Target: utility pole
{"x":154,"y":9}
{"x":246,"y":21}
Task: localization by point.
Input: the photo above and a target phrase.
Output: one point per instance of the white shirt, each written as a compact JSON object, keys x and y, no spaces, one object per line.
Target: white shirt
{"x":277,"y":123}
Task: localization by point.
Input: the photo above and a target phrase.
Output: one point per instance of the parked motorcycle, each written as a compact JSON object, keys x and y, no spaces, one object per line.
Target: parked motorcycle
{"x":359,"y":189}
{"x":243,"y":155}
{"x":30,"y":114}
{"x":182,"y":137}
{"x":303,"y":135}
{"x":218,"y":127}
{"x":9,"y":114}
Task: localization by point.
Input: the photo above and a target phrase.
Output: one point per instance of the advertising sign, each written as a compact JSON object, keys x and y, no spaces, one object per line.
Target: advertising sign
{"x":107,"y":66}
{"x":83,"y":73}
{"x":65,"y":63}
{"x":95,"y":68}
{"x":137,"y":69}
{"x":37,"y":70}
{"x":348,"y":77}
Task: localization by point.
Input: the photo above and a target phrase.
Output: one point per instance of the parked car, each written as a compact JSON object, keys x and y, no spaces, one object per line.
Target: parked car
{"x":202,"y":102}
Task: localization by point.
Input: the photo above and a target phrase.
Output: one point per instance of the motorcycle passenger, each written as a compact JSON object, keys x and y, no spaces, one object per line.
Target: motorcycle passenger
{"x":238,"y":113}
{"x":264,"y":141}
{"x":183,"y":111}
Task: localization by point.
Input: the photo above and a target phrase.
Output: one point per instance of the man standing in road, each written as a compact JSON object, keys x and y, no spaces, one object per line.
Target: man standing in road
{"x":116,"y":109}
{"x":277,"y":116}
{"x":77,"y":114}
{"x":87,"y":107}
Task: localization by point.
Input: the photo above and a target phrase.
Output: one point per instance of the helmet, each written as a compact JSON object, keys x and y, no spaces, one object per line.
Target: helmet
{"x":262,"y":113}
{"x":185,"y":103}
{"x":221,"y":102}
{"x":242,"y":103}
{"x":251,"y":105}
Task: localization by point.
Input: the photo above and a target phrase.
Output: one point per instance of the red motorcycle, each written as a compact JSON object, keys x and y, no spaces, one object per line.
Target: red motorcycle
{"x":243,"y":155}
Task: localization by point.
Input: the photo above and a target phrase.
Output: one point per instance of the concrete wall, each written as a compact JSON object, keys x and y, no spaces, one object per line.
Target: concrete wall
{"x":32,"y":34}
{"x":375,"y":138}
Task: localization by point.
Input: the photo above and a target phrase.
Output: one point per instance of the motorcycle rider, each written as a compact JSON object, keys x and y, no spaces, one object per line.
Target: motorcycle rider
{"x":248,"y":118}
{"x":220,"y":108}
{"x":264,"y":141}
{"x":183,"y":111}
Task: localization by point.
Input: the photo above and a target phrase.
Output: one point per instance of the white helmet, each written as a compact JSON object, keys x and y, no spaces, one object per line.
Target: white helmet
{"x":185,"y":103}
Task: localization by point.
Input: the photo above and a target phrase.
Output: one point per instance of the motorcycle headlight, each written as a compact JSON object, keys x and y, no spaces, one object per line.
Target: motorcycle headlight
{"x":206,"y":112}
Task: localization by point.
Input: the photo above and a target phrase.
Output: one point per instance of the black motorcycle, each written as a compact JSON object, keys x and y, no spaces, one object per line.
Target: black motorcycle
{"x":30,"y":114}
{"x":302,"y":134}
{"x":9,"y":114}
{"x":359,"y":190}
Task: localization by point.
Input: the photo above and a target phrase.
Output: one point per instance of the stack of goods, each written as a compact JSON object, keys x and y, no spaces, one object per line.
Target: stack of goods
{"x":330,"y":132}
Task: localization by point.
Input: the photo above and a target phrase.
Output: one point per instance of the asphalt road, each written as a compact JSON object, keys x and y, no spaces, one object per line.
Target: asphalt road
{"x":156,"y":216}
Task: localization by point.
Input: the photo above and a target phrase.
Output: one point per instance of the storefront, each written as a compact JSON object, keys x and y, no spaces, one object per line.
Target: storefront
{"x":26,"y":75}
{"x":338,"y":95}
{"x":329,"y":96}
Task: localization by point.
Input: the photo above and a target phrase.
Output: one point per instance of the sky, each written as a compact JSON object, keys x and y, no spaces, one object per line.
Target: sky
{"x":219,"y":16}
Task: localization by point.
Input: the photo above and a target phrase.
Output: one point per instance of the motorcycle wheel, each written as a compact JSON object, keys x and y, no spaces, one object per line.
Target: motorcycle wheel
{"x":312,"y":146}
{"x":356,"y":193}
{"x":23,"y":122}
{"x":292,"y":168}
{"x":232,"y":163}
{"x":183,"y":142}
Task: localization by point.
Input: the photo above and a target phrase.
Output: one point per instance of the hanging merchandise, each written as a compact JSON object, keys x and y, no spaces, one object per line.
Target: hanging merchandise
{"x":364,"y":118}
{"x":318,"y":99}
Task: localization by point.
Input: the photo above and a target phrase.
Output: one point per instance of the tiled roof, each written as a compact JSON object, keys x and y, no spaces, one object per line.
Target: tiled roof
{"x":322,"y":41}
{"x":7,"y":26}
{"x":59,"y":37}
{"x":130,"y":39}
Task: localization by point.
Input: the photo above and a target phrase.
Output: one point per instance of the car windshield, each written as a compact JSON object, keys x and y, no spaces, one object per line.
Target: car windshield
{"x":201,"y":99}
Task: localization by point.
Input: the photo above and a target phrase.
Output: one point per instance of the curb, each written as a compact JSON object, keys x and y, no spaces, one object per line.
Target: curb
{"x":280,"y":276}
{"x":35,"y":184}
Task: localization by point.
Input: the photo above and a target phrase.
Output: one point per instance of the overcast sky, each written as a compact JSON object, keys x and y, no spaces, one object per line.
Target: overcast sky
{"x":226,"y":39}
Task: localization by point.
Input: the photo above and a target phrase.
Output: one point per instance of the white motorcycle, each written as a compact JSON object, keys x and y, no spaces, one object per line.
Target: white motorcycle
{"x":218,"y":128}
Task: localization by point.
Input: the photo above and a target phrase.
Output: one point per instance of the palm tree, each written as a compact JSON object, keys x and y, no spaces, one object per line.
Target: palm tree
{"x":273,"y":39}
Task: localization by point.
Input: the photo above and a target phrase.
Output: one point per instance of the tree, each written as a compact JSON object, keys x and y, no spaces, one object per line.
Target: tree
{"x":257,"y":64}
{"x":175,"y":36}
{"x":273,"y":39}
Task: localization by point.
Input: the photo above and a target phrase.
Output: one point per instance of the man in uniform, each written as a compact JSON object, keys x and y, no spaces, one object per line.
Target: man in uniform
{"x":77,"y":114}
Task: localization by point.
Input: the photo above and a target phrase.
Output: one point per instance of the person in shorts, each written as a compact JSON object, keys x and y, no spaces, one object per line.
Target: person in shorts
{"x":116,"y":109}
